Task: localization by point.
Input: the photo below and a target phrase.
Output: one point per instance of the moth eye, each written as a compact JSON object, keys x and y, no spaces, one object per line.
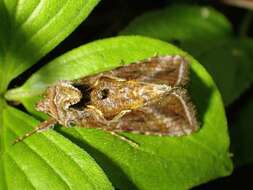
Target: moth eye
{"x":103,"y":94}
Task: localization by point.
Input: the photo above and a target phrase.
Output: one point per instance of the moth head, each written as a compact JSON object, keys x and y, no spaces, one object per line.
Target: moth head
{"x":58,"y":98}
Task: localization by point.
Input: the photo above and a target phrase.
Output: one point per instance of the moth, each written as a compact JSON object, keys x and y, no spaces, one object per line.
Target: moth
{"x":147,"y":97}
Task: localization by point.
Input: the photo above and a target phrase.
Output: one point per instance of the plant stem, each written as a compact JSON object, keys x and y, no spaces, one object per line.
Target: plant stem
{"x":245,"y":25}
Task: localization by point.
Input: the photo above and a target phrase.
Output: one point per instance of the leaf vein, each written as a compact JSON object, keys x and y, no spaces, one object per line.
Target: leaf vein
{"x":19,"y":167}
{"x":45,"y":161}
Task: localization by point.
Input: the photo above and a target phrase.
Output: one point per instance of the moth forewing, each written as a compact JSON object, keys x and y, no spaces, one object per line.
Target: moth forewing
{"x":171,"y":115}
{"x":169,"y":70}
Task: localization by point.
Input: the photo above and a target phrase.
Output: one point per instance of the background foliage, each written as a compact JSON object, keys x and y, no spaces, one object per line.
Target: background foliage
{"x":91,"y":159}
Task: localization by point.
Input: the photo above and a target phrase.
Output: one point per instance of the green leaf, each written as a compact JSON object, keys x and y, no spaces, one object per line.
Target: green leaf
{"x":46,"y":160}
{"x":164,"y":162}
{"x":230,"y":64}
{"x":206,"y":34}
{"x":2,"y":107}
{"x":241,"y":134}
{"x":2,"y":181}
{"x":29,"y":30}
{"x":187,"y":26}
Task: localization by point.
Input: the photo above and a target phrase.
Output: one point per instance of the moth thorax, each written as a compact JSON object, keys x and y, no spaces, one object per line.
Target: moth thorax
{"x":111,"y":96}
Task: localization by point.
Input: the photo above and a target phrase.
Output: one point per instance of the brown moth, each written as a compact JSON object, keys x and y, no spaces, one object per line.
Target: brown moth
{"x":147,"y":97}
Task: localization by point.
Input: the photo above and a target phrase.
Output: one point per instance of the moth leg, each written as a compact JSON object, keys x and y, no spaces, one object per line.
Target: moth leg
{"x":97,"y":113}
{"x":41,"y":127}
{"x":118,"y":116}
{"x":100,"y":117}
{"x":130,"y":142}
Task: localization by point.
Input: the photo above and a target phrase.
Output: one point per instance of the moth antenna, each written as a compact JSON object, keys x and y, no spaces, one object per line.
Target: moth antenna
{"x":125,"y":139}
{"x":41,"y":127}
